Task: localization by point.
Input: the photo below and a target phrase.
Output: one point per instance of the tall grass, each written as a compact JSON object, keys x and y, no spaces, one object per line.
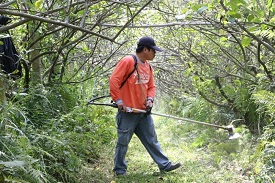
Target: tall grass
{"x":47,"y":136}
{"x":53,"y":136}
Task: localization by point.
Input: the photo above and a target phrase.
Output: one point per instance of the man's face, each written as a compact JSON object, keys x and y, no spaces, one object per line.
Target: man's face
{"x":150,"y":53}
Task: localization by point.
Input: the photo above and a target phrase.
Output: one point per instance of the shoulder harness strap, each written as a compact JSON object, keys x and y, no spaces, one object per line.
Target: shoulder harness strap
{"x":135,"y":68}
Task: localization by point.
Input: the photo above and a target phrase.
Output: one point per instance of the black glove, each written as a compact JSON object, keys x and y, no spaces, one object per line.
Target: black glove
{"x":149,"y":106}
{"x":148,"y":110}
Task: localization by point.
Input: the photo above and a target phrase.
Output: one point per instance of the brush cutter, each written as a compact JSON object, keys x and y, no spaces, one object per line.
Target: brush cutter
{"x":228,"y":128}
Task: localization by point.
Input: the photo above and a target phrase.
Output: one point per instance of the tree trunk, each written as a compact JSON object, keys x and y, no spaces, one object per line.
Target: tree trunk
{"x":36,"y":65}
{"x":3,"y":99}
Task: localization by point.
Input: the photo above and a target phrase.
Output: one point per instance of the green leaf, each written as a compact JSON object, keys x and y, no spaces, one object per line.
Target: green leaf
{"x":233,"y":5}
{"x":253,"y":28}
{"x":250,"y":18}
{"x":269,"y":4}
{"x":81,"y":13}
{"x":223,"y":39}
{"x":38,"y":4}
{"x":246,"y":41}
{"x":202,"y":9}
{"x":231,"y":19}
{"x":234,"y":14}
{"x":264,"y":27}
{"x":195,"y":7}
{"x":242,"y":2}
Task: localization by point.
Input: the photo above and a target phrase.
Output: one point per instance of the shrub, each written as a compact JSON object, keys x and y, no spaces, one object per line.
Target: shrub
{"x":46,"y":136}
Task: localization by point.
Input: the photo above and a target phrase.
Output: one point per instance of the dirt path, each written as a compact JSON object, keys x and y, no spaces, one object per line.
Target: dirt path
{"x":217,"y":160}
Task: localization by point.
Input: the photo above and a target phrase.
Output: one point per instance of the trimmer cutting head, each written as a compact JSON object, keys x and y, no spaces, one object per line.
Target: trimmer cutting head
{"x":231,"y":134}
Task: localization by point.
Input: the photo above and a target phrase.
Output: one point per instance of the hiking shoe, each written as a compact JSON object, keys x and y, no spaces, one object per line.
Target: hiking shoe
{"x":172,"y":167}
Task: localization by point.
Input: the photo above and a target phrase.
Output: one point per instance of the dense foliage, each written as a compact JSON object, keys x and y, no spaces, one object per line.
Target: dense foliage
{"x":218,"y":66}
{"x":47,"y":136}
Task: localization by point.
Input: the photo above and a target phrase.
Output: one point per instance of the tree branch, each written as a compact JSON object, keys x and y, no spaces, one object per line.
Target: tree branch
{"x":268,"y":73}
{"x":131,"y":19}
{"x":8,"y":27}
{"x":269,"y":47}
{"x":43,"y":19}
{"x":7,"y":4}
{"x":221,"y":90}
{"x":211,"y":101}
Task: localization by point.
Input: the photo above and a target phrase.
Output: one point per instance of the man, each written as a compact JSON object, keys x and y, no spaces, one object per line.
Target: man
{"x":132,"y":86}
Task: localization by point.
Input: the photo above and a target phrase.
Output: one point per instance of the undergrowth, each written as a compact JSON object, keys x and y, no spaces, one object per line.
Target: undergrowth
{"x":207,"y":156}
{"x":42,"y":141}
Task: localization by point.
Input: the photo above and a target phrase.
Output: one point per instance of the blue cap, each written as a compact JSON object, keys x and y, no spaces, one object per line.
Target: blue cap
{"x":148,"y":41}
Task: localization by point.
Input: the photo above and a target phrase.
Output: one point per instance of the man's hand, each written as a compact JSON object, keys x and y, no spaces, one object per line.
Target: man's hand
{"x":121,"y":107}
{"x":149,"y":103}
{"x":149,"y":106}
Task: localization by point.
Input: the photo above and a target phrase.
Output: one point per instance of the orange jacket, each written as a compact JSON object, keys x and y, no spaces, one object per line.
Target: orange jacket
{"x":134,"y":92}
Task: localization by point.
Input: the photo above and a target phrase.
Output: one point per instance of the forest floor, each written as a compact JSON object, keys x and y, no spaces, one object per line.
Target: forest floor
{"x":207,"y":156}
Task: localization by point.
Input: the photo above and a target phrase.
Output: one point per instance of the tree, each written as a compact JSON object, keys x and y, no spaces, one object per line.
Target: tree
{"x":223,"y":51}
{"x":65,"y":33}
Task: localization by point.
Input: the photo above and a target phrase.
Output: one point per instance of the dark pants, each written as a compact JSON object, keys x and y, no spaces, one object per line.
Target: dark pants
{"x":143,"y":126}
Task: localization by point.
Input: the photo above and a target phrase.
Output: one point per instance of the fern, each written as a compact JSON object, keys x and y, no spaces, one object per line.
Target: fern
{"x":11,"y":179}
{"x":37,"y":175}
{"x":6,"y":147}
{"x":14,"y":163}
